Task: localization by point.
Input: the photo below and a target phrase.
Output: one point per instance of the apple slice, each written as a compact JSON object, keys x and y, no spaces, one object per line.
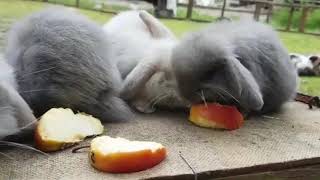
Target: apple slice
{"x":60,"y":128}
{"x":119,"y":155}
{"x":214,"y":115}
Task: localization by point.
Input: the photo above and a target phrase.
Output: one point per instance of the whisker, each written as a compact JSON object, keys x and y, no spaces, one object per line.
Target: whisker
{"x":4,"y":107}
{"x":159,"y":99}
{"x":232,"y":97}
{"x":7,"y":143}
{"x":204,"y":98}
{"x":221,"y":95}
{"x":229,"y":94}
{"x":7,"y":156}
{"x":155,"y":98}
{"x":35,"y":90}
{"x":35,"y":72}
{"x":29,"y":124}
{"x":270,"y":117}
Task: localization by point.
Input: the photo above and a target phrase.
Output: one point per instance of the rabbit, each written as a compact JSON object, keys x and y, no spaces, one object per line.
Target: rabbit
{"x":303,"y":64}
{"x":16,"y":117}
{"x":62,"y":59}
{"x":316,"y":64}
{"x":142,"y":47}
{"x":239,"y":63}
{"x":253,"y":68}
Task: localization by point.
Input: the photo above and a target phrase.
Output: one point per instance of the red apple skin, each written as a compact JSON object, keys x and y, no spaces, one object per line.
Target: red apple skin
{"x":214,"y":115}
{"x":127,"y":162}
{"x":49,"y":145}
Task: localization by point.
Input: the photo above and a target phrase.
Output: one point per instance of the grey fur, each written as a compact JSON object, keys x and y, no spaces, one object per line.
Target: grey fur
{"x":62,"y":59}
{"x":241,"y":63}
{"x":15,"y":114}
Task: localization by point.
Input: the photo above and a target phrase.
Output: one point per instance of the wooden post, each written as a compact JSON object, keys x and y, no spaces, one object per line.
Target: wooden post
{"x":223,"y":8}
{"x":270,"y":6}
{"x":288,"y":28}
{"x":77,"y":3}
{"x":257,"y":11}
{"x":303,"y":19}
{"x":189,"y":10}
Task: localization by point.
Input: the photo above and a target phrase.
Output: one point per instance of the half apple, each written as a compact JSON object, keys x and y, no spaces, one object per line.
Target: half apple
{"x":60,"y":128}
{"x":119,"y":155}
{"x":213,"y":115}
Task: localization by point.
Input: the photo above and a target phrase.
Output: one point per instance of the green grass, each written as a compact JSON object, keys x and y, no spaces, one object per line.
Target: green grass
{"x":17,"y":9}
{"x":299,"y":43}
{"x":310,"y":85}
{"x":182,"y":13}
{"x":280,"y":19}
{"x":89,"y":4}
{"x":65,"y":2}
{"x":99,"y":17}
{"x":182,"y":27}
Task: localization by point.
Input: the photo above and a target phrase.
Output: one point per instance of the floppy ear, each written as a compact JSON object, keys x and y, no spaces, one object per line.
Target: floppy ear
{"x":249,"y":91}
{"x":156,"y":28}
{"x":135,"y":81}
{"x":24,"y":114}
{"x":19,"y":117}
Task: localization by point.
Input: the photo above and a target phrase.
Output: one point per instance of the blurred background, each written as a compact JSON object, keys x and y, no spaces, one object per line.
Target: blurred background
{"x":297,"y":21}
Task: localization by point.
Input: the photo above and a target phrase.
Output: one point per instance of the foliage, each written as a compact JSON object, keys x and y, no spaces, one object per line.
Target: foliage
{"x":280,"y":19}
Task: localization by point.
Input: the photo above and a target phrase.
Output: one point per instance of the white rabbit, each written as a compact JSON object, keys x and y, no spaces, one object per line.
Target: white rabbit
{"x":142,"y":47}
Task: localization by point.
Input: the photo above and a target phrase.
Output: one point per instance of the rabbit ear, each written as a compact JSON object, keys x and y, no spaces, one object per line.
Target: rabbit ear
{"x":138,"y":77}
{"x":24,"y":114}
{"x":249,"y":92}
{"x":156,"y":28}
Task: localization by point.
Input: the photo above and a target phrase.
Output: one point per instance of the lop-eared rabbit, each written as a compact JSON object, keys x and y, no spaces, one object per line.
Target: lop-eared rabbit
{"x":241,"y":63}
{"x":62,"y":59}
{"x":142,"y":46}
{"x":15,"y":115}
{"x":238,"y":63}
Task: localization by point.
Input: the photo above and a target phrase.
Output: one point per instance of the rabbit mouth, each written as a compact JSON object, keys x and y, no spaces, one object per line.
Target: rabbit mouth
{"x":204,"y":96}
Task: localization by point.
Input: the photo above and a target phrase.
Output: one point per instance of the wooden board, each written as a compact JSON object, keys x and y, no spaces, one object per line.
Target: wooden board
{"x":277,"y":142}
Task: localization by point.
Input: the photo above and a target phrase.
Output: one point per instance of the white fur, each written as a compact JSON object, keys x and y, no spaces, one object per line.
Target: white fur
{"x":6,"y":73}
{"x":144,"y":48}
{"x":300,"y":61}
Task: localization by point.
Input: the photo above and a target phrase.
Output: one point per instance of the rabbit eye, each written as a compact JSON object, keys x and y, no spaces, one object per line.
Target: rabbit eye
{"x":207,"y":75}
{"x":211,"y":73}
{"x":212,"y":69}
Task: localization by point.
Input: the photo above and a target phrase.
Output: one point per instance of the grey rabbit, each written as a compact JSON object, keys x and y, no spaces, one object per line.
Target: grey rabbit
{"x":62,"y":59}
{"x":15,"y":115}
{"x":241,"y":63}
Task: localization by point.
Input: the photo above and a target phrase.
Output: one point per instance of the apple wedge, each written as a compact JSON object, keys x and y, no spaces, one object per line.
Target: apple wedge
{"x":60,"y":128}
{"x":213,"y":115}
{"x":119,"y":155}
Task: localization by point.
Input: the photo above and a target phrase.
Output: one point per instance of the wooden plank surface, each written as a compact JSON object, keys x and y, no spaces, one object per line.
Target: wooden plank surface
{"x":277,"y":142}
{"x":303,"y":173}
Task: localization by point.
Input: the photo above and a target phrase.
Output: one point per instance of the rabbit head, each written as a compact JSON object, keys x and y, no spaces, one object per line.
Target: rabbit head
{"x":236,"y":63}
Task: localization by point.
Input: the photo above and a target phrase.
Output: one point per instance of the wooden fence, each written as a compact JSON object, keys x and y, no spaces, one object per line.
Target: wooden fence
{"x":306,"y":8}
{"x":271,"y":6}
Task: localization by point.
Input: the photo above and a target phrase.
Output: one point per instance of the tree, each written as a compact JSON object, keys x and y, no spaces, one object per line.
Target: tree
{"x":190,"y":7}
